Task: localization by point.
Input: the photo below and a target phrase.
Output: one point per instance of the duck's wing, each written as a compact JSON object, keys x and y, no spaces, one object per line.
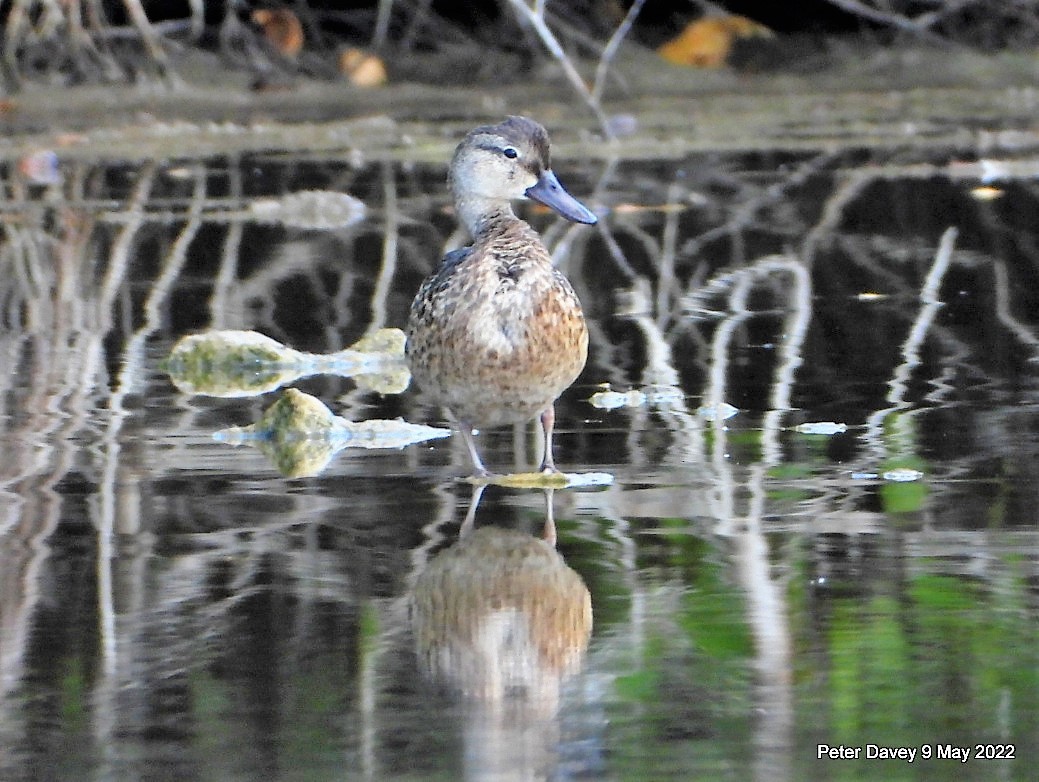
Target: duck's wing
{"x":454,"y":258}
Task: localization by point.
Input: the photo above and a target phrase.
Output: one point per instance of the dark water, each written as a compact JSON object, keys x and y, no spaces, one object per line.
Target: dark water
{"x":173,"y":608}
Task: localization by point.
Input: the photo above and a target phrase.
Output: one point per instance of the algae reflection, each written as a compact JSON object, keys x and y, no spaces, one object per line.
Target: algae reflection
{"x":298,"y":433}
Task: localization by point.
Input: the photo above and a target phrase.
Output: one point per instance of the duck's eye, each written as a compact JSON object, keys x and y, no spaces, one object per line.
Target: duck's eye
{"x":510,"y":153}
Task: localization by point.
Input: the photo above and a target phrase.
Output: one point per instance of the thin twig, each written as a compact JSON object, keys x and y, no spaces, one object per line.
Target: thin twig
{"x":388,"y":267}
{"x":899,"y":22}
{"x":382,"y":24}
{"x":536,"y":17}
{"x":150,"y":39}
{"x":611,"y":49}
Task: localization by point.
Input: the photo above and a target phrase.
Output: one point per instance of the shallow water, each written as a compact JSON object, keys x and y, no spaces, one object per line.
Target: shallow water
{"x":171,"y":607}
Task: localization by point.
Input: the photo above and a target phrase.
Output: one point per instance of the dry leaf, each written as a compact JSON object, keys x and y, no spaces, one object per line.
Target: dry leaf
{"x":361,"y":68}
{"x":282,"y":28}
{"x":706,"y":43}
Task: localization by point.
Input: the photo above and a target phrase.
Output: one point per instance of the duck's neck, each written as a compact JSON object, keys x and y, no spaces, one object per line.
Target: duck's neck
{"x":479,"y":215}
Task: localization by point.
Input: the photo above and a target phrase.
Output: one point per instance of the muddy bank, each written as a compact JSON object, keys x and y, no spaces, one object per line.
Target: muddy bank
{"x":914,"y":98}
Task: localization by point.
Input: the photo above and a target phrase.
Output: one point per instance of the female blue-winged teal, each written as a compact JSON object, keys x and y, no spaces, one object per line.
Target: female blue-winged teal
{"x":497,"y":333}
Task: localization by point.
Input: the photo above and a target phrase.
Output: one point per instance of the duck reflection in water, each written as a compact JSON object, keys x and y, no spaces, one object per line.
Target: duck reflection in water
{"x":501,"y":620}
{"x":496,"y":334}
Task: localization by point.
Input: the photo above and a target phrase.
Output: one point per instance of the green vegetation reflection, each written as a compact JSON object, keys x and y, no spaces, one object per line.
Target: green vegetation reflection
{"x":945,"y":660}
{"x":686,"y":689}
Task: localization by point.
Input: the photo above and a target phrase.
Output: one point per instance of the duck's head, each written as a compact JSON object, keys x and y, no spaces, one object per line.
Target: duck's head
{"x":496,"y":164}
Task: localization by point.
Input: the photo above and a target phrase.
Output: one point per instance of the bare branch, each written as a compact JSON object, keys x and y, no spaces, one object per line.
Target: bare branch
{"x":899,"y":22}
{"x":611,"y":49}
{"x":536,"y":18}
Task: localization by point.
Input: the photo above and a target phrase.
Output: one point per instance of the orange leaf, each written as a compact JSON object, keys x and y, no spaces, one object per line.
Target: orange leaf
{"x":282,"y":28}
{"x":706,"y":43}
{"x":361,"y":68}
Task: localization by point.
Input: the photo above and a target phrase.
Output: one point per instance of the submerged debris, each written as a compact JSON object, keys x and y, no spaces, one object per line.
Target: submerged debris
{"x":821,"y":427}
{"x":898,"y":475}
{"x":721,"y":411}
{"x":300,"y":435}
{"x":662,"y":396}
{"x":611,"y":400}
{"x":902,"y":475}
{"x":245,"y":363}
{"x":313,"y":209}
{"x":655,"y":395}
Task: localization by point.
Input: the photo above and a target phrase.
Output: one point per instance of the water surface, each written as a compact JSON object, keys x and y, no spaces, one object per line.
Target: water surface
{"x":171,"y":607}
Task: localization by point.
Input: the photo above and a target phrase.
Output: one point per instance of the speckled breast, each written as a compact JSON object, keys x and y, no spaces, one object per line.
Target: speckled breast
{"x":494,"y":347}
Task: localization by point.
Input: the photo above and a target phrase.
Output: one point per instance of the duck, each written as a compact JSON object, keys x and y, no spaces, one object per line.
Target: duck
{"x":497,"y":333}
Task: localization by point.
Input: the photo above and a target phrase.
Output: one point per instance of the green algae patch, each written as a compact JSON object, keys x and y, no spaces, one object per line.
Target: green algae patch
{"x":300,"y":435}
{"x":233,"y":364}
{"x":543,"y":480}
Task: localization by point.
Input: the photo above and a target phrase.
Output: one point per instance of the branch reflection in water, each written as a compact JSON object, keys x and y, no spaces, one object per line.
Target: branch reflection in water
{"x":758,"y":579}
{"x":501,"y":620}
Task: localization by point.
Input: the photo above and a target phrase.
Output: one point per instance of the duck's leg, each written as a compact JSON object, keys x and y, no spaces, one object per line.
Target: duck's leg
{"x":549,"y":532}
{"x":470,"y":515}
{"x":548,"y":422}
{"x":470,"y":442}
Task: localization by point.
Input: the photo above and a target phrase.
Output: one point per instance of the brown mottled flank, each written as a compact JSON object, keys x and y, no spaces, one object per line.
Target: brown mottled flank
{"x":497,"y":333}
